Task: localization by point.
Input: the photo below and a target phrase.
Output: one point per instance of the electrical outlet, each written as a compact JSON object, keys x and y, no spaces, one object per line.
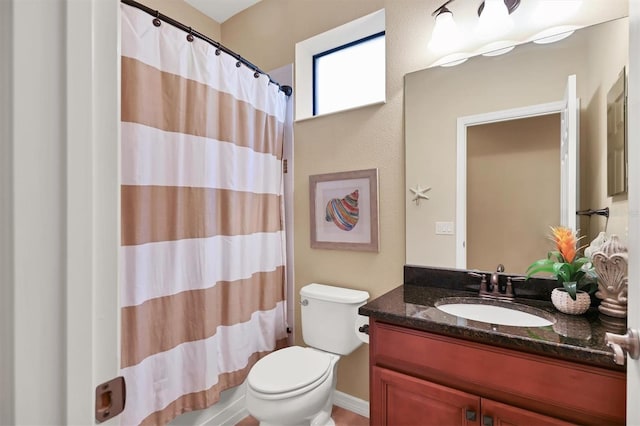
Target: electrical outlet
{"x":444,"y":228}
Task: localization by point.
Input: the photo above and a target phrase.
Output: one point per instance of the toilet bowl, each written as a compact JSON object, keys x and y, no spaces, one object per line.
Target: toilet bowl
{"x":295,"y":385}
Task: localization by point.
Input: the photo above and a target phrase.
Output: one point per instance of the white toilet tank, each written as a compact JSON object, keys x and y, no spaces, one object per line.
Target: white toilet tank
{"x":328,"y":317}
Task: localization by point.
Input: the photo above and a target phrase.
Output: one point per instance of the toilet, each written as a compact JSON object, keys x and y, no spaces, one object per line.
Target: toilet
{"x":295,"y":385}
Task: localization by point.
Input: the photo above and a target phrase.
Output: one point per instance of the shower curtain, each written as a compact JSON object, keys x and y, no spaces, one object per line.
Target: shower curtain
{"x":202,"y":242}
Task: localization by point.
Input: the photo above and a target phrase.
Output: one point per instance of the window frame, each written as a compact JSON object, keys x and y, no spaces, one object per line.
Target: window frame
{"x":319,"y":55}
{"x":356,"y":29}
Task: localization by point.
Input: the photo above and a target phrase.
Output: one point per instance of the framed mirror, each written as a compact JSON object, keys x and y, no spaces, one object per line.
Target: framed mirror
{"x":532,"y":74}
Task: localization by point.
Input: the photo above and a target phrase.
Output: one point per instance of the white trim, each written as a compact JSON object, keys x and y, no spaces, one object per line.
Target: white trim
{"x":284,"y":76}
{"x":569,"y":153}
{"x":351,"y":403}
{"x":38,"y":132}
{"x":228,"y":411}
{"x":351,"y":31}
{"x":235,"y":410}
{"x":461,"y":161}
{"x":6,"y":218}
{"x":633,"y":151}
{"x":92,"y":202}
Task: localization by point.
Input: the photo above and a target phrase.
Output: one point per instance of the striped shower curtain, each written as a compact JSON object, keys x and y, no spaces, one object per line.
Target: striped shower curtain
{"x":202,"y":243}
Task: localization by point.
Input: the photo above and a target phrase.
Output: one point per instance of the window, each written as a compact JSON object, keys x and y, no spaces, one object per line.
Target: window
{"x":350,"y":75}
{"x":342,"y":68}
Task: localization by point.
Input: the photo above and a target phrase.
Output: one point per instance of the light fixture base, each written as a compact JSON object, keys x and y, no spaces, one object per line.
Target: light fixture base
{"x":442,"y":8}
{"x":511,"y":6}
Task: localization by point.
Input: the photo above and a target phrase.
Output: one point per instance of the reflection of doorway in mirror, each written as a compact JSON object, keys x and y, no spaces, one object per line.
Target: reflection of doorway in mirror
{"x":616,"y":137}
{"x":518,"y":160}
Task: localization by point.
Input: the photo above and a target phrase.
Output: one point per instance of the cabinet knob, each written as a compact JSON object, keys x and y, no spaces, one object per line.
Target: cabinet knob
{"x":487,"y":421}
{"x":470,"y":414}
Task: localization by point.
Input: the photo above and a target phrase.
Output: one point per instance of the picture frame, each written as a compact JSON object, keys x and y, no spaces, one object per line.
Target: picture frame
{"x":344,"y":210}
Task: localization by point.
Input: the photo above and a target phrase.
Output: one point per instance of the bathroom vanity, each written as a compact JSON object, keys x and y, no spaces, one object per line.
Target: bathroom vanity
{"x":430,"y":367}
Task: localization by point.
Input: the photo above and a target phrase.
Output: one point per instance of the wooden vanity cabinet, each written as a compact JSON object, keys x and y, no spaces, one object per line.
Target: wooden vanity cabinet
{"x":407,"y":400}
{"x":420,"y":378}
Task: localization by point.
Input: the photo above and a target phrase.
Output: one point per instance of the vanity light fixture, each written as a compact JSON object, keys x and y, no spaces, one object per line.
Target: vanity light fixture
{"x":551,"y":35}
{"x":497,"y":48}
{"x":452,"y":59}
{"x":494,"y":17}
{"x":446,"y":35}
{"x":454,"y":62}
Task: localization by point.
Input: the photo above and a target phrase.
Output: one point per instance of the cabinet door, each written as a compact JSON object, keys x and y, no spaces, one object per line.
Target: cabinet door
{"x":401,"y":400}
{"x":498,"y":414}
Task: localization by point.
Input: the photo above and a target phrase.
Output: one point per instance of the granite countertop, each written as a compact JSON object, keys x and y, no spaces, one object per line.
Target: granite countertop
{"x":574,"y":338}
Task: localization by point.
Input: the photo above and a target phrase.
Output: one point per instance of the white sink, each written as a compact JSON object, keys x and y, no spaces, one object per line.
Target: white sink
{"x":496,"y":312}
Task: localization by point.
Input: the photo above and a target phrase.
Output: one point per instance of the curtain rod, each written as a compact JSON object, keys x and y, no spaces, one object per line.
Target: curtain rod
{"x":288,"y":90}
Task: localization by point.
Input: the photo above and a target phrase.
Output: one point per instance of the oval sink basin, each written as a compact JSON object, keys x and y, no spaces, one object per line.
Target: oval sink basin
{"x":496,"y":312}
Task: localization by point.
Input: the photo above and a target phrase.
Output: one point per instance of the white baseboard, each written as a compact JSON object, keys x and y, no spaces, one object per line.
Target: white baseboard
{"x":228,"y":411}
{"x":351,"y":403}
{"x":235,"y":410}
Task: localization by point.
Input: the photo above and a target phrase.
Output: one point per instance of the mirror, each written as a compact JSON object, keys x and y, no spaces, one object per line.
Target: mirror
{"x":530,"y":75}
{"x":617,"y":136}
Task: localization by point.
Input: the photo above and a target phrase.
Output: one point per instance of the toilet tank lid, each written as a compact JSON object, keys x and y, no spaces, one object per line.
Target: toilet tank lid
{"x":333,"y":293}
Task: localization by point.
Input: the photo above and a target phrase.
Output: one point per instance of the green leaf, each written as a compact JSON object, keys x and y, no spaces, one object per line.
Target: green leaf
{"x":563,"y":271}
{"x":571,"y":287}
{"x":542,"y":265}
{"x":555,"y":255}
{"x":580,"y":262}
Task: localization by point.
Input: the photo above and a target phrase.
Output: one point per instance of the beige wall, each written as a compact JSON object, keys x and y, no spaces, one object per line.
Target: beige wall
{"x":605,"y":61}
{"x":369,"y":137}
{"x":186,"y":14}
{"x":513,"y":191}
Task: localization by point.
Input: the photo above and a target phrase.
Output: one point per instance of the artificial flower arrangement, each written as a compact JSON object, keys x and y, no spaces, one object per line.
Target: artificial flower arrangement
{"x":575,"y":273}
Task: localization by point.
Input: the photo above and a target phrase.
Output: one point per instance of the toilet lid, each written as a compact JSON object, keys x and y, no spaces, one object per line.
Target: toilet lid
{"x":288,"y":369}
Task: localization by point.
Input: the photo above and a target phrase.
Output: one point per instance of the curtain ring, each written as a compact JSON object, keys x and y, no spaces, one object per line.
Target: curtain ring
{"x":156,"y":20}
{"x":217,"y":52}
{"x":238,"y":64}
{"x":190,"y":35}
{"x":256,"y":74}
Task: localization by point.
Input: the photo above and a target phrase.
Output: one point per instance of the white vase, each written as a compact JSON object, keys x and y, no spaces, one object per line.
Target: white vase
{"x":565,"y":304}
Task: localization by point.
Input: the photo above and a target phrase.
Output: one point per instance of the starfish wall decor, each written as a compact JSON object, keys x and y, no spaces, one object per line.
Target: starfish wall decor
{"x":419,"y":193}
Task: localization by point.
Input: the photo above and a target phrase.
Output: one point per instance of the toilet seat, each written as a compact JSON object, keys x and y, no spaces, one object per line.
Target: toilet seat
{"x":289,"y":372}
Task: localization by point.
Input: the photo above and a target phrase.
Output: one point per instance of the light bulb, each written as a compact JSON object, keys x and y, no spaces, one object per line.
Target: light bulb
{"x":494,"y":19}
{"x":446,"y":35}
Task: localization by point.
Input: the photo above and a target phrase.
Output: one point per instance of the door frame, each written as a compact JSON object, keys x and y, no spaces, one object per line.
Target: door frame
{"x":93,"y":202}
{"x":6,"y":220}
{"x":461,"y":161}
{"x":633,"y":152}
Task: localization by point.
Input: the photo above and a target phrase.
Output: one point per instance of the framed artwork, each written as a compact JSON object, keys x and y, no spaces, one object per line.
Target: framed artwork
{"x":344,"y":210}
